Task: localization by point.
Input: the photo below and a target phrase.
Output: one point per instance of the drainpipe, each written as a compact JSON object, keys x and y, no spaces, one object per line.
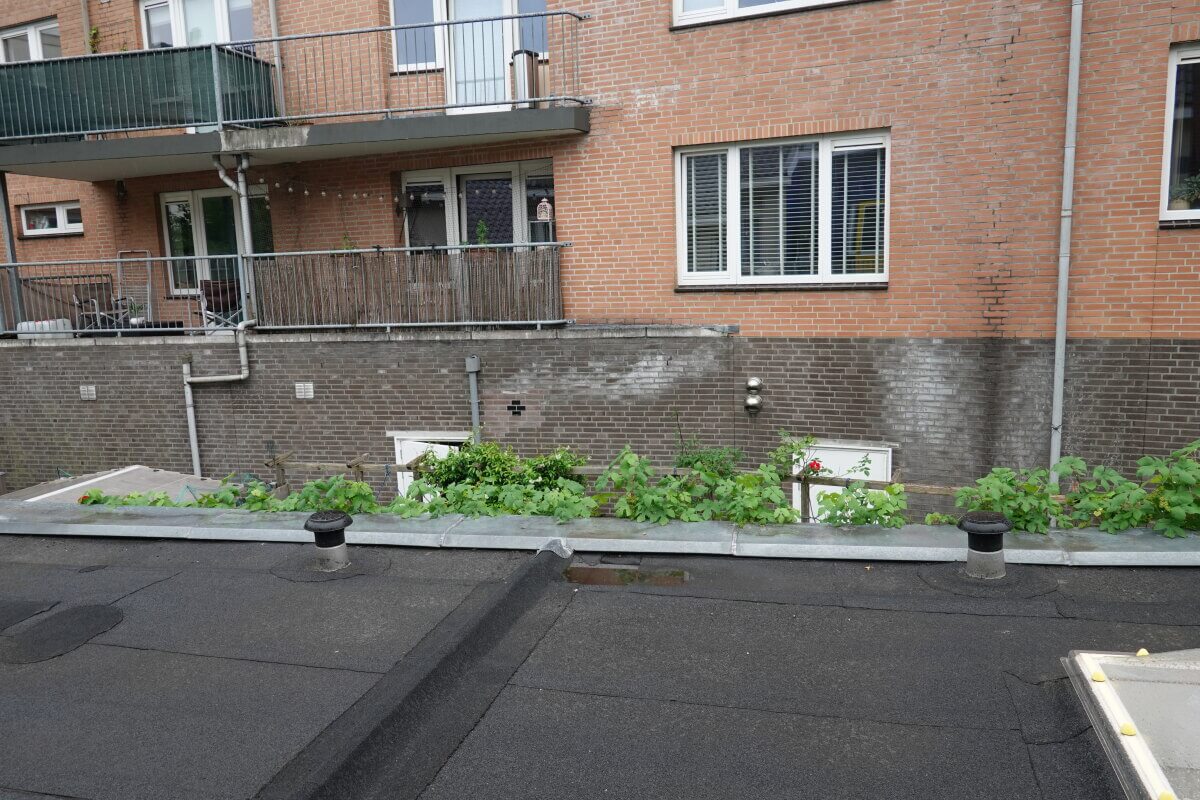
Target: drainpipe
{"x":1064,"y":232}
{"x":473,"y":385}
{"x":273,"y":12}
{"x":86,"y":16}
{"x":188,"y":380}
{"x":243,"y":194}
{"x":10,"y":257}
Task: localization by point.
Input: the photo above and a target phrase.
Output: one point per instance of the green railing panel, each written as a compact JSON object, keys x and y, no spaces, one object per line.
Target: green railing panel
{"x":146,"y":89}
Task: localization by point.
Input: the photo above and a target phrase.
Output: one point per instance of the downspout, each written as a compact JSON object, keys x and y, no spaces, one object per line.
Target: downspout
{"x":188,"y":380}
{"x":273,"y":12}
{"x":86,"y":16}
{"x":240,"y":189}
{"x":1064,"y":232}
{"x":10,"y":258}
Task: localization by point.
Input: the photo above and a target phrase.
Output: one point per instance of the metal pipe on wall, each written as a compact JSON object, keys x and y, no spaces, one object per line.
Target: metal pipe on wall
{"x":473,"y":384}
{"x":1064,"y":232}
{"x":189,"y":380}
{"x":10,"y":257}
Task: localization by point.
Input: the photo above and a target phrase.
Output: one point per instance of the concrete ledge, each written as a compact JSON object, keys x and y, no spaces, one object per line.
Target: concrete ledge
{"x":1083,"y":547}
{"x":396,"y":335}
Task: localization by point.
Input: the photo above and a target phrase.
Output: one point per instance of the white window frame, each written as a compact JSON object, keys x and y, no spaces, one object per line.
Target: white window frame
{"x":1181,"y":54}
{"x":729,"y":10}
{"x":31,"y":31}
{"x":826,"y":147}
{"x":199,"y":243}
{"x":179,"y":23}
{"x":61,"y":216}
{"x":439,"y":43}
{"x":831,"y":452}
{"x":448,"y":177}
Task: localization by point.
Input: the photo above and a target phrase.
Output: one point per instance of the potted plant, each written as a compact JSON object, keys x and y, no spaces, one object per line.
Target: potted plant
{"x":1185,"y":194}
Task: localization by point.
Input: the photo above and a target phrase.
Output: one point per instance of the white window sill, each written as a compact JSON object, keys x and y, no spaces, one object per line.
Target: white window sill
{"x":829,"y":286}
{"x":701,"y":20}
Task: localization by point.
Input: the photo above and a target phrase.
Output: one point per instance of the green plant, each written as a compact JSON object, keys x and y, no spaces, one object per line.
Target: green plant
{"x":547,"y":470}
{"x":938,"y":518}
{"x":473,"y":463}
{"x":752,"y":498}
{"x":332,"y":494}
{"x":1173,"y":484}
{"x":482,"y":232}
{"x":858,"y":505}
{"x":721,"y":461}
{"x":1187,"y":189}
{"x":1026,"y":496}
{"x":93,"y":40}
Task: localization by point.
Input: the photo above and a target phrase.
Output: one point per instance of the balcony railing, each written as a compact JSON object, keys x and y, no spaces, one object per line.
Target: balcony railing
{"x":464,"y":286}
{"x":516,"y":61}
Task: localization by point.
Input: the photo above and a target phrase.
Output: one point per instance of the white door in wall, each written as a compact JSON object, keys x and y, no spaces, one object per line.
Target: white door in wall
{"x":479,"y":56}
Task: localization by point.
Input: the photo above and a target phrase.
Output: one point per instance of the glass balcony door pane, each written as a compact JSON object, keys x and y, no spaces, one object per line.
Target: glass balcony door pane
{"x":479,"y":55}
{"x":220,"y":236}
{"x":487,"y":209}
{"x":200,"y":21}
{"x":181,"y":243}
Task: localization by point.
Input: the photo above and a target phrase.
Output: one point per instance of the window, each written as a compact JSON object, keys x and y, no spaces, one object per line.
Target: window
{"x":52,"y":218}
{"x":421,"y":47}
{"x":1181,"y":165}
{"x":810,"y":210}
{"x":33,"y":42}
{"x":490,"y":204}
{"x":179,"y":23}
{"x":690,"y":12}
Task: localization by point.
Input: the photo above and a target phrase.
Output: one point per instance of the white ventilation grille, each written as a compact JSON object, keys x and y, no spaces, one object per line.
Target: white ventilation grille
{"x":304,"y":391}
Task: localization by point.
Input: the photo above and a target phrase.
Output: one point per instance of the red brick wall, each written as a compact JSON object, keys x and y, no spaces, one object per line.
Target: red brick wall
{"x":972,"y":92}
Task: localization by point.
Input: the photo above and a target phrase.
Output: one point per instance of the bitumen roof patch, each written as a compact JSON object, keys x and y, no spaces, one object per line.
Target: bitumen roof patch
{"x":760,"y":678}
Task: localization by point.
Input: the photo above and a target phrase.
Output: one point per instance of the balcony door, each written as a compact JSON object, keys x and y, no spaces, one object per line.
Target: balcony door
{"x":494,"y":204}
{"x":480,"y":51}
{"x":205,"y":228}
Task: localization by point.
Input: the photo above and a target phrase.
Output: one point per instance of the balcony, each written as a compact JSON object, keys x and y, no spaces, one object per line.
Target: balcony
{"x":290,"y":98}
{"x":440,"y":287}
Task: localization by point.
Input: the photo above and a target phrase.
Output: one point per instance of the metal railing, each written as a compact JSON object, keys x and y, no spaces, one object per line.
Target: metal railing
{"x":496,"y":63}
{"x":460,"y":286}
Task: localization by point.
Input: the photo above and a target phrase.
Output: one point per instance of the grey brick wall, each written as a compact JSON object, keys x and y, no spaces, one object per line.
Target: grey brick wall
{"x":954,"y":407}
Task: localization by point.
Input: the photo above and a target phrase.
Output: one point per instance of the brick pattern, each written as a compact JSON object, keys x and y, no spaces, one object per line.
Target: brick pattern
{"x":972,"y":92}
{"x":953,"y":407}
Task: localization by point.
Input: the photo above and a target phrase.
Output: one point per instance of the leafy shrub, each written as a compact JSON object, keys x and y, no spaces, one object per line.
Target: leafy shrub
{"x":749,"y":498}
{"x":1025,"y":496}
{"x":1167,"y":498}
{"x":720,"y":461}
{"x":938,"y":518}
{"x":330,"y":494}
{"x":858,"y":505}
{"x":489,"y":463}
{"x":473,"y":463}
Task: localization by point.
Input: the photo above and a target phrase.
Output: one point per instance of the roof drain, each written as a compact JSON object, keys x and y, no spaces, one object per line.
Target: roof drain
{"x":1064,"y":232}
{"x":189,"y":380}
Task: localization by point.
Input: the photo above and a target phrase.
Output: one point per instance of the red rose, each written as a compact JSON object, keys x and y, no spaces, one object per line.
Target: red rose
{"x":814,"y":465}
